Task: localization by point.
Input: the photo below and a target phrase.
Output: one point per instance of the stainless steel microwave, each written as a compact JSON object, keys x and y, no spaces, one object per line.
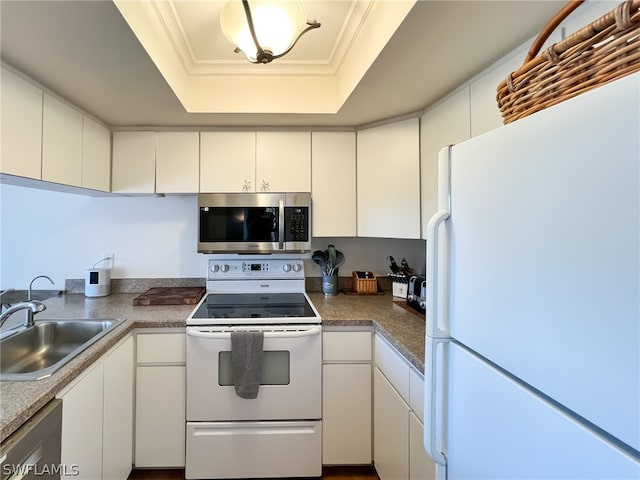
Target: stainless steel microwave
{"x":254,"y":222}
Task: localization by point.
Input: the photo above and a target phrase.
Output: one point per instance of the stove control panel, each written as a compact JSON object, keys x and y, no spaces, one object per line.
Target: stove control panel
{"x":255,"y":267}
{"x":241,"y":267}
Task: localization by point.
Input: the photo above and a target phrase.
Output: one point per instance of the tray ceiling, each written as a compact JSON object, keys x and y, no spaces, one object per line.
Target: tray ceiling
{"x":185,"y":41}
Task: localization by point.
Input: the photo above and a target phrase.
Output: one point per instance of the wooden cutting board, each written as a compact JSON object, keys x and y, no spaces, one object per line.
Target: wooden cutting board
{"x":170,"y":296}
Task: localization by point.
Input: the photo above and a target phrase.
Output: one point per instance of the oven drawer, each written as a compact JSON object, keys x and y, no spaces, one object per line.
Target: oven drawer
{"x":253,"y":449}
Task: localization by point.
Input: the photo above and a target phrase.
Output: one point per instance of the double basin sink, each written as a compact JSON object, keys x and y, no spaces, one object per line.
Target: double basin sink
{"x":38,"y":351}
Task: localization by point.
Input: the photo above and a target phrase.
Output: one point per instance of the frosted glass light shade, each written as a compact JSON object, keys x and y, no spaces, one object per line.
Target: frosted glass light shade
{"x":277,"y":23}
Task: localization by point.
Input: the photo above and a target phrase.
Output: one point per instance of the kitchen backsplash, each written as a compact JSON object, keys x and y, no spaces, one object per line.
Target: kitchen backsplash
{"x":139,"y":285}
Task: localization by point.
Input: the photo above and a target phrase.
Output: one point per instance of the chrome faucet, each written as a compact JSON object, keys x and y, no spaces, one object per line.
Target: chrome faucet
{"x":32,"y":308}
{"x":31,"y":284}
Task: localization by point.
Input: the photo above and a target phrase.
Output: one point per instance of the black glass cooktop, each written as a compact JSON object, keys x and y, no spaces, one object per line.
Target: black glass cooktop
{"x":254,"y":305}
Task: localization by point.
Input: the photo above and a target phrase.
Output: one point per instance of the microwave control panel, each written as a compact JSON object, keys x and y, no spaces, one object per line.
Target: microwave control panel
{"x":296,"y":222}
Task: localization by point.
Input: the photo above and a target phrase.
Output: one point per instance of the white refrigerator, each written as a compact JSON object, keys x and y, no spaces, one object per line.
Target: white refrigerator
{"x":532,"y":364}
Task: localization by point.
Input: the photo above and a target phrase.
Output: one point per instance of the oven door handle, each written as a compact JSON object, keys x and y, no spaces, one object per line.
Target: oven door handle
{"x":297,"y":333}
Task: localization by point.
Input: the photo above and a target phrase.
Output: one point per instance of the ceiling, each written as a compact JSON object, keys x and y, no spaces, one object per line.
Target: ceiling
{"x":85,"y":51}
{"x":185,"y":41}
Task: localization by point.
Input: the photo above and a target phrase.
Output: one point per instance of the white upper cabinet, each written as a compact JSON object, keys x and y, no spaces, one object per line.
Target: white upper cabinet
{"x":388,"y":183}
{"x":283,"y":162}
{"x":333,"y":184}
{"x":21,"y":127}
{"x":96,"y":156}
{"x":485,"y":113}
{"x":177,"y":162}
{"x":255,"y":162}
{"x":445,"y":124}
{"x":133,"y":162}
{"x":61,"y":143}
{"x":227,"y":162}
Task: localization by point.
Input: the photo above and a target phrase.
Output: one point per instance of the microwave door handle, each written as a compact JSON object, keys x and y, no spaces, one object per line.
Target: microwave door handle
{"x":281,"y":224}
{"x":307,"y":332}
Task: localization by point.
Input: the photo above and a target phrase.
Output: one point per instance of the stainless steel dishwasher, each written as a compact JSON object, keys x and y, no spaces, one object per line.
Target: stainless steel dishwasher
{"x":33,"y":451}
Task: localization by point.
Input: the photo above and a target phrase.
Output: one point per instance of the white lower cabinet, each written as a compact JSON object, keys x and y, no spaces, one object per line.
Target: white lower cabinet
{"x":346,"y":398}
{"x":420,"y":464}
{"x":117,"y":432}
{"x":398,"y":451}
{"x":97,"y":418}
{"x":160,"y":400}
{"x":391,"y":430}
{"x":82,"y":426}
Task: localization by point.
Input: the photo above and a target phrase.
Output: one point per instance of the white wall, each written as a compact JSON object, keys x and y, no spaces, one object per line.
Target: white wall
{"x":61,"y":235}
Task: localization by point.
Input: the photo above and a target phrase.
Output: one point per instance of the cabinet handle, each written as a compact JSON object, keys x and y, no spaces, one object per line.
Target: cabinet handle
{"x":246,"y":186}
{"x":265,"y":186}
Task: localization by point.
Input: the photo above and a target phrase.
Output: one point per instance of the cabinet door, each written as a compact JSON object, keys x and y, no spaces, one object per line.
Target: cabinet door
{"x":391,"y":430}
{"x":82,"y":427}
{"x":393,"y":366}
{"x":134,"y":162}
{"x":160,"y":416}
{"x":416,"y":393}
{"x":388,"y":183}
{"x":117,"y":445}
{"x":333,"y":185}
{"x":61,"y":143}
{"x":346,"y":414}
{"x":445,"y":124}
{"x":96,"y":156}
{"x":346,"y":347}
{"x":421,"y":467}
{"x":161,"y":348}
{"x":177,"y":162}
{"x":227,"y":162}
{"x":283,"y":161}
{"x":21,"y":127}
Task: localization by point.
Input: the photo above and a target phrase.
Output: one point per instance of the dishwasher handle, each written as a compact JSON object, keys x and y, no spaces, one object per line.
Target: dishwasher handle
{"x":217,"y":334}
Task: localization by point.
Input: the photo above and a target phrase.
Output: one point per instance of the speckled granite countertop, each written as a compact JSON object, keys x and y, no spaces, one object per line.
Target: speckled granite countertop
{"x":20,"y":400}
{"x":404,"y":329}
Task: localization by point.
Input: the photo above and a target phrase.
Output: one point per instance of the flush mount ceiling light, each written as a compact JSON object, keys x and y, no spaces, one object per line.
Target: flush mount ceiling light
{"x":266,"y":29}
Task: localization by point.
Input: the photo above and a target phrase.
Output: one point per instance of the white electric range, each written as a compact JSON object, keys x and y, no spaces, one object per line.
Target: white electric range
{"x":229,"y":436}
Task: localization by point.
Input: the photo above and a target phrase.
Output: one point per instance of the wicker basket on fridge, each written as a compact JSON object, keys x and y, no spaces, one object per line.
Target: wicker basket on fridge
{"x":605,"y":50}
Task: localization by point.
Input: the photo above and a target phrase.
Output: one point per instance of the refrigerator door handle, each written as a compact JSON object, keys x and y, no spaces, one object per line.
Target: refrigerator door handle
{"x":431,"y":400}
{"x":432,"y":309}
{"x":435,"y":335}
{"x":433,"y":291}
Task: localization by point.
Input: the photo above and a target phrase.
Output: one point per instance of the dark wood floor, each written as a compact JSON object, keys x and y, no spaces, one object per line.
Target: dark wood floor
{"x":328,"y":473}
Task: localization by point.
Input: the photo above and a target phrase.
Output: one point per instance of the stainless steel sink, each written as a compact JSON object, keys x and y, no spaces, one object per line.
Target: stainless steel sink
{"x":37,"y":352}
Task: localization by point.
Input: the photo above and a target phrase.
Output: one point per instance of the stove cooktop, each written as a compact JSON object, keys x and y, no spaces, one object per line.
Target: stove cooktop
{"x":250,"y":307}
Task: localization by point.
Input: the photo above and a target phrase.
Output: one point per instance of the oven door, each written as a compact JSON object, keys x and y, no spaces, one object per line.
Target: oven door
{"x":291,"y":382}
